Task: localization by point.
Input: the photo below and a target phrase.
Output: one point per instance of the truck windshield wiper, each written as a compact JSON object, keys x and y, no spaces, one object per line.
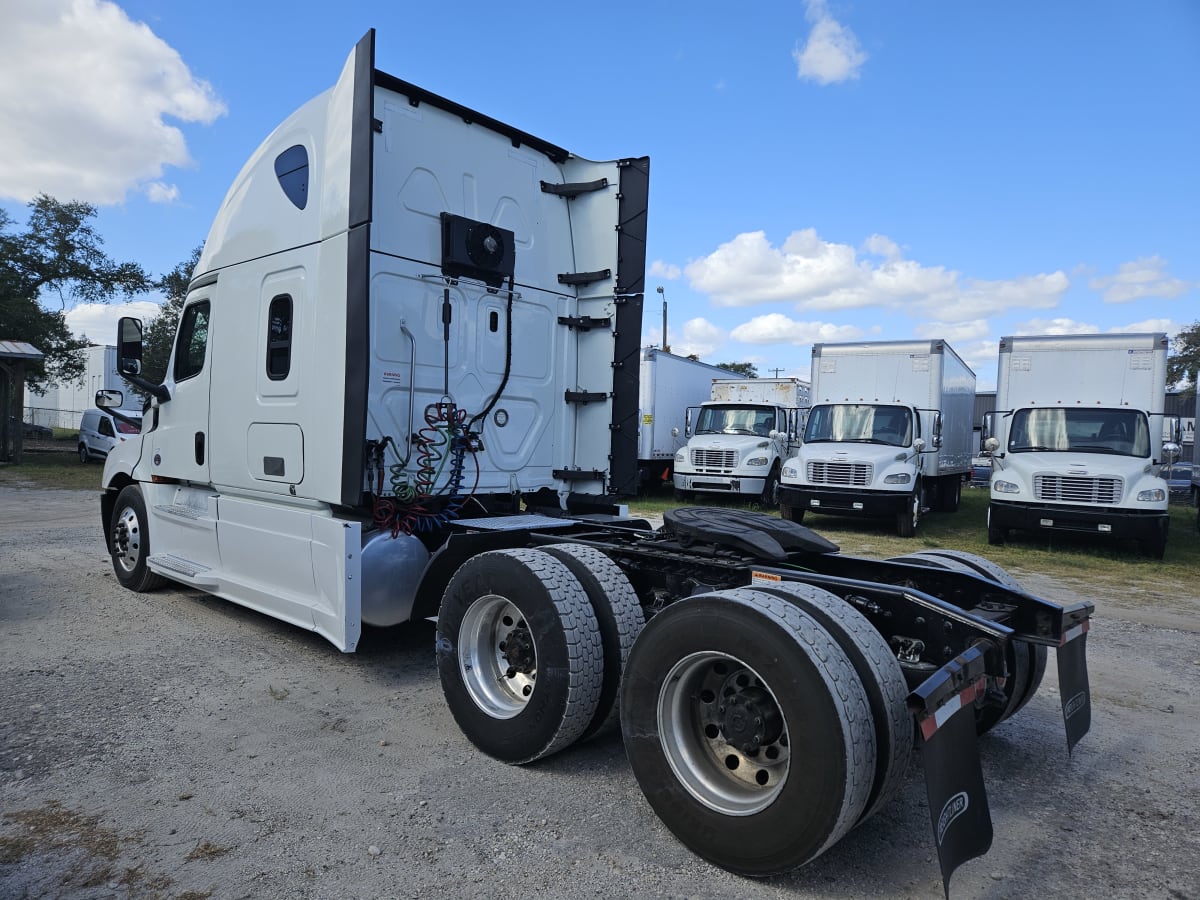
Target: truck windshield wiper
{"x":1032,"y":447}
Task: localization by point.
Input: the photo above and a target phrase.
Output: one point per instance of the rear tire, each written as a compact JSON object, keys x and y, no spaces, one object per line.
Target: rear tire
{"x":519,"y":654}
{"x":950,"y":493}
{"x":881,"y":676}
{"x":618,"y":615}
{"x":748,"y":730}
{"x":129,"y":542}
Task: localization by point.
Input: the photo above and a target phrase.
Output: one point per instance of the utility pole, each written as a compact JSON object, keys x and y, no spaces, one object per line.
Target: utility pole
{"x":666,"y":347}
{"x":777,"y":371}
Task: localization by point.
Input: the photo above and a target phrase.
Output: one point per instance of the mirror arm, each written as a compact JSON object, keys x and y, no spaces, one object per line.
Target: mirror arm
{"x":158,"y":391}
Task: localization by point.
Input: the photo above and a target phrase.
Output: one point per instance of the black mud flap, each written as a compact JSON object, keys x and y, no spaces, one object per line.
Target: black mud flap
{"x":958,"y":805}
{"x":1073,"y":684}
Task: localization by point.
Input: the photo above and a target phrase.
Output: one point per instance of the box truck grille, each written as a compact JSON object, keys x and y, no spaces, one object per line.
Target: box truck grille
{"x":714,"y":460}
{"x":1075,"y":489}
{"x":848,"y":474}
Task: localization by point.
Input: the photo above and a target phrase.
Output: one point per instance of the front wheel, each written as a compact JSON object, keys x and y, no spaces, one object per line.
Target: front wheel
{"x":769,"y":498}
{"x":129,"y":542}
{"x":996,"y":536}
{"x":84,"y":456}
{"x":907,"y":518}
{"x":748,"y":730}
{"x":519,"y":654}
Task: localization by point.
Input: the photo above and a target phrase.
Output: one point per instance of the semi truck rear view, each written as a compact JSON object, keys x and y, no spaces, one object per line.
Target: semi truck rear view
{"x":1078,"y":444}
{"x":404,"y":386}
{"x":889,"y":433}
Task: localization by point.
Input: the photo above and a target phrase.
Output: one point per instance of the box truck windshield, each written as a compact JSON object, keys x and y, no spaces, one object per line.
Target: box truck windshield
{"x":1116,"y":431}
{"x":860,"y":423}
{"x":735,"y":420}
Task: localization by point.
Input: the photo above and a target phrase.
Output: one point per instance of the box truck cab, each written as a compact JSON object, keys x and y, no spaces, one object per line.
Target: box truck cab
{"x":889,"y":433}
{"x":1078,"y":444}
{"x":737,"y":441}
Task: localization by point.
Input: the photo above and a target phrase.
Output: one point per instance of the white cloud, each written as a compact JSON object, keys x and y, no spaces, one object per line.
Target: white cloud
{"x":1144,"y":277}
{"x":818,"y":275}
{"x":700,"y":337}
{"x":1056,"y":326}
{"x":86,"y":118}
{"x":831,"y":53}
{"x":666,"y":271}
{"x":776,"y":328}
{"x":954,"y":334}
{"x":157,"y":192}
{"x":98,"y":321}
{"x":1169,"y":326}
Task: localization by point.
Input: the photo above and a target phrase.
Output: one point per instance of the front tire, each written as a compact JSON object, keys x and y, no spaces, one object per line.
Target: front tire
{"x":519,"y":654}
{"x":84,"y":456}
{"x":129,"y":542}
{"x":907,"y":518}
{"x":769,"y":498}
{"x":996,"y":536}
{"x":748,"y":730}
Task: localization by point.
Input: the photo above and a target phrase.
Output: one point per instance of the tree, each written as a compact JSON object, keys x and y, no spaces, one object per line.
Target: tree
{"x":744,"y":368}
{"x":58,"y":254}
{"x":159,"y":334}
{"x":1184,"y":361}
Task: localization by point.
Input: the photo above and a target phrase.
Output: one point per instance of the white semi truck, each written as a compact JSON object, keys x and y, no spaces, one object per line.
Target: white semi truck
{"x":889,"y":433}
{"x":1078,"y":438}
{"x":668,"y":386}
{"x":738,"y":440}
{"x":404,"y":386}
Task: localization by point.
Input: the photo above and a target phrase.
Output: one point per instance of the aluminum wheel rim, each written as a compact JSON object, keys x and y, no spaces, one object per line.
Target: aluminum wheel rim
{"x":127,"y":540}
{"x":487,"y":628}
{"x":692,"y":704}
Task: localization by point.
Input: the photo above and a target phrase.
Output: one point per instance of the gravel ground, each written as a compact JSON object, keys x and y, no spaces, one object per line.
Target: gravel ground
{"x":174,"y":745}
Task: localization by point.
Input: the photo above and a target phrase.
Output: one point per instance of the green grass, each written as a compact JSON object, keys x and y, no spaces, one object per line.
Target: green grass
{"x":58,"y":469}
{"x":1079,"y":563}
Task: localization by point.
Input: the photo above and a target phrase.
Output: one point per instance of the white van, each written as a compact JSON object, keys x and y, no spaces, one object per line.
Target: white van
{"x":100,"y":431}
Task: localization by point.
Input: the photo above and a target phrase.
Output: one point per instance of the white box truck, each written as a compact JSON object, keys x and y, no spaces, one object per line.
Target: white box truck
{"x":668,"y":386}
{"x":404,"y":385}
{"x":738,"y":440}
{"x":889,"y":433}
{"x":1078,"y":438}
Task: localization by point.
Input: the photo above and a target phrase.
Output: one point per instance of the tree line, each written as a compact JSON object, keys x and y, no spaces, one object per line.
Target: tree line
{"x":59,"y":255}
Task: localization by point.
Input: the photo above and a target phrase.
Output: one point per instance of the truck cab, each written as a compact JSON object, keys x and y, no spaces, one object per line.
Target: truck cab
{"x":738,"y":440}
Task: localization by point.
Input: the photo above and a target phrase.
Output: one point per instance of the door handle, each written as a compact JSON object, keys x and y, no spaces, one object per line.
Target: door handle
{"x":199,"y":448}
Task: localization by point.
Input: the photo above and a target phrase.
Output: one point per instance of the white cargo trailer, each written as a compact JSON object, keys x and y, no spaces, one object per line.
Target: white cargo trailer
{"x":1078,"y":444}
{"x":668,"y":386}
{"x":889,"y":433}
{"x":737,"y":441}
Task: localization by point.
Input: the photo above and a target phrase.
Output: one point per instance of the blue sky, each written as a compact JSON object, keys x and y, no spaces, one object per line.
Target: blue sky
{"x":820,"y":171}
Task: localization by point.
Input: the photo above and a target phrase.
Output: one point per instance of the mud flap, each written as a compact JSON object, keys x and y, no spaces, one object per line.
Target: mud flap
{"x":1073,"y":684}
{"x":958,"y":806}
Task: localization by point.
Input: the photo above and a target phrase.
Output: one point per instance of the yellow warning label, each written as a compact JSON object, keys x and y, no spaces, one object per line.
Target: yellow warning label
{"x":648,"y":419}
{"x":764,"y":578}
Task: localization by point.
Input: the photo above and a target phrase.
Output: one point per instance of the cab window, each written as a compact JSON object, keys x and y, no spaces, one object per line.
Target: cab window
{"x":192,"y":343}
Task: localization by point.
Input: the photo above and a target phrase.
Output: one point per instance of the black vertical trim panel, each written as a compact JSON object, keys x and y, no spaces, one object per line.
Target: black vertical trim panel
{"x":627,"y":332}
{"x":358,"y":273}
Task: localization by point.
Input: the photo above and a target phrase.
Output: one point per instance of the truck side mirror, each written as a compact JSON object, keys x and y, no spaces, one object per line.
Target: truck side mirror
{"x":937,"y":430}
{"x":687,"y":422}
{"x":1171,"y":451}
{"x":109,"y":399}
{"x":129,"y":346}
{"x":991,"y":445}
{"x":919,"y":444}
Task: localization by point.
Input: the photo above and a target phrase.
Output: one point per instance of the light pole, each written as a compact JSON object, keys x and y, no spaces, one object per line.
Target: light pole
{"x":665,"y":346}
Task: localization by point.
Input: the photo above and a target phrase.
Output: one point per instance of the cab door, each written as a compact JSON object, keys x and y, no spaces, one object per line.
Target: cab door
{"x":179,"y":446}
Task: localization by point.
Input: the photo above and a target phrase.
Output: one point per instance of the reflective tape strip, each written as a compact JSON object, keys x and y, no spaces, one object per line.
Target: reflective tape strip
{"x":1077,"y":631}
{"x":931,"y":722}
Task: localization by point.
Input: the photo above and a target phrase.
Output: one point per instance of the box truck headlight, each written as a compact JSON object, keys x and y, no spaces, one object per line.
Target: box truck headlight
{"x":1005,"y":487}
{"x":1153,"y":495}
{"x":757,"y":461}
{"x":898,"y":478}
{"x":789,"y":472}
{"x":681,"y":456}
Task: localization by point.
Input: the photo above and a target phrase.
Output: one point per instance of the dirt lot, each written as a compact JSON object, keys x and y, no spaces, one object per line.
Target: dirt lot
{"x":174,"y":745}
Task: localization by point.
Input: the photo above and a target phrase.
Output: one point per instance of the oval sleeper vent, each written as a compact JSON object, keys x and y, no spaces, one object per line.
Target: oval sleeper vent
{"x":291,"y":168}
